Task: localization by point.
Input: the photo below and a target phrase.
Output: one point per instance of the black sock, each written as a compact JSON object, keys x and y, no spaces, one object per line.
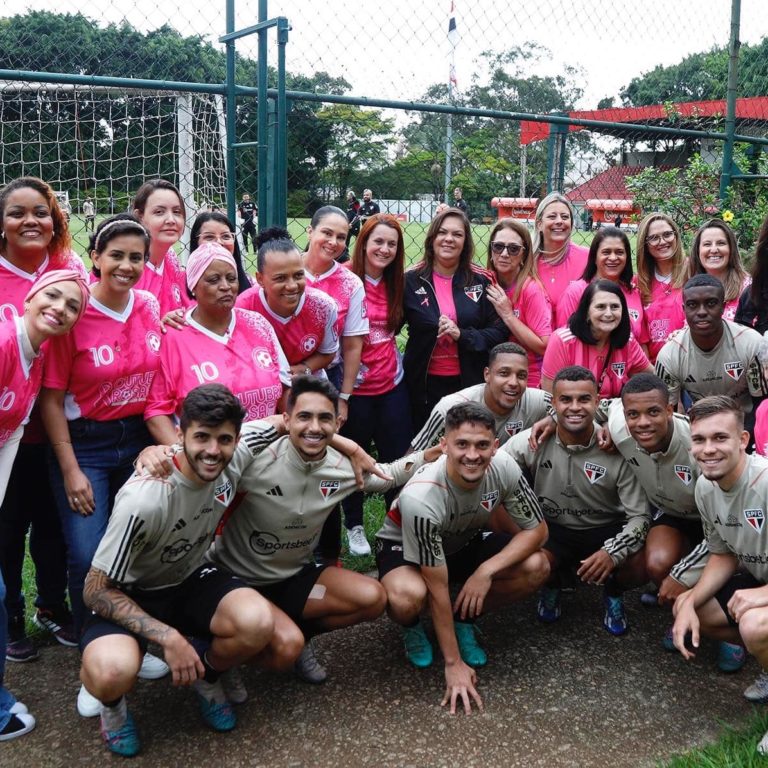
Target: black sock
{"x":112,"y":704}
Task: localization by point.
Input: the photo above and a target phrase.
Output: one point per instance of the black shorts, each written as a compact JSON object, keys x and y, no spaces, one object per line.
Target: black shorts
{"x":461,"y":564}
{"x":690,"y":527}
{"x":188,"y":607}
{"x":572,"y":545}
{"x":291,"y":594}
{"x":739,"y":580}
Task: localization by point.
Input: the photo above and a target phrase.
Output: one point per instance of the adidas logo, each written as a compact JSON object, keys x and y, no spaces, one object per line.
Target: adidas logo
{"x":690,"y":380}
{"x":182,"y":523}
{"x":546,"y":464}
{"x":275,"y":491}
{"x":633,"y":461}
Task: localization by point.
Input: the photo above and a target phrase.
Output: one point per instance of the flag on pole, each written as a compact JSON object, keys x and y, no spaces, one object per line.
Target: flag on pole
{"x":453,"y":39}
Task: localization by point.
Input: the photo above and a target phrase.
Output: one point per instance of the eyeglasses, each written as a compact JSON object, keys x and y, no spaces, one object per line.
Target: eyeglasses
{"x":667,"y":237}
{"x":226,"y":237}
{"x":513,"y":249}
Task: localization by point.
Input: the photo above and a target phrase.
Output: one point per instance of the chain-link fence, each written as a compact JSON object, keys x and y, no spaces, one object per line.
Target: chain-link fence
{"x":630,"y":66}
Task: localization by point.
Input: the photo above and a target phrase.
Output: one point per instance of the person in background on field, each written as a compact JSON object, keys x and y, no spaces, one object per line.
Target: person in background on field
{"x":752,"y":310}
{"x":367,"y":208}
{"x":53,"y":305}
{"x":89,"y":212}
{"x":452,"y":324}
{"x":519,"y":298}
{"x":599,"y":338}
{"x":95,"y":386}
{"x":34,"y":240}
{"x":610,"y":258}
{"x":159,"y":207}
{"x":249,"y":212}
{"x":714,"y":251}
{"x":662,"y":269}
{"x":459,"y":201}
{"x":379,"y":411}
{"x":353,"y":209}
{"x":559,"y":261}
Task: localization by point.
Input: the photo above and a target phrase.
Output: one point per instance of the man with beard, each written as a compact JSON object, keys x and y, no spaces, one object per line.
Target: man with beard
{"x":597,"y":512}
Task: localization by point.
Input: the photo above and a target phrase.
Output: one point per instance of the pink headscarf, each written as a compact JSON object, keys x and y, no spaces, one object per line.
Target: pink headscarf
{"x":63,"y":276}
{"x":200,"y":259}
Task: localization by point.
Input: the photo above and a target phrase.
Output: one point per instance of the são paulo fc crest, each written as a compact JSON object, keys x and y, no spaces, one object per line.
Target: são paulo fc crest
{"x":755,"y":518}
{"x":683,"y":473}
{"x":634,"y":315}
{"x":329,"y":487}
{"x":488,"y":502}
{"x":734,"y":370}
{"x":618,"y":369}
{"x":594,"y":472}
{"x":223,"y":492}
{"x":513,"y":427}
{"x":474,"y":292}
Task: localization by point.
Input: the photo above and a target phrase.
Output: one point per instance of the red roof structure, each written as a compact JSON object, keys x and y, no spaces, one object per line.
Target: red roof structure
{"x":753,"y":109}
{"x":608,"y":185}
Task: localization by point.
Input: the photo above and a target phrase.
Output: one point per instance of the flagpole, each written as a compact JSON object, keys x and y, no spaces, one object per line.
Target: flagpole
{"x":453,"y":39}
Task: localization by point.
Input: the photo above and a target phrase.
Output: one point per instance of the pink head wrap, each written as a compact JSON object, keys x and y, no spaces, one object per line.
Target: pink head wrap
{"x":63,"y":276}
{"x":200,"y":259}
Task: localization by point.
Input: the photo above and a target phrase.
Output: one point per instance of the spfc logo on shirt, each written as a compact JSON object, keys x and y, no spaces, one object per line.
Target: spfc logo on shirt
{"x":734,"y":370}
{"x":513,"y":427}
{"x":329,"y":487}
{"x":683,"y":472}
{"x":262,"y":358}
{"x":755,"y":517}
{"x":474,"y":292}
{"x":308,"y":343}
{"x":153,"y":342}
{"x":223,"y":492}
{"x":594,"y":472}
{"x":488,"y":502}
{"x":634,"y":314}
{"x":618,"y":369}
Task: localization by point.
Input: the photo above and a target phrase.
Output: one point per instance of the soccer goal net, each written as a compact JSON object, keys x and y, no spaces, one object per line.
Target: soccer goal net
{"x":102,"y":143}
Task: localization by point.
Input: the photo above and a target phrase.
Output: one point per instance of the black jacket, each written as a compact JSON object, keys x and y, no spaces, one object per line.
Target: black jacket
{"x":750,"y":315}
{"x":481,"y":328}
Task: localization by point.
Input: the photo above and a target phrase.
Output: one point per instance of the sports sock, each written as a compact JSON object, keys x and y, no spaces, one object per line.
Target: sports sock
{"x":114,"y":714}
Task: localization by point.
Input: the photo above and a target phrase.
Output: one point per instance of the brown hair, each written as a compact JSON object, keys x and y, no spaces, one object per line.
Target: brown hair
{"x":646,"y":264}
{"x":148,"y":187}
{"x":59,"y":247}
{"x":394,"y":279}
{"x":714,"y":404}
{"x":734,"y":281}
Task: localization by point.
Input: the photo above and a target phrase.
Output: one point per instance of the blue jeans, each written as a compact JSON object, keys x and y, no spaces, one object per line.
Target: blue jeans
{"x":384,"y":420}
{"x":7,"y":699}
{"x":105,"y":451}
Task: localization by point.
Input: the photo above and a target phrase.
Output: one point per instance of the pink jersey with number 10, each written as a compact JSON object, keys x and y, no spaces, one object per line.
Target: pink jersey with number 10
{"x":107,"y":361}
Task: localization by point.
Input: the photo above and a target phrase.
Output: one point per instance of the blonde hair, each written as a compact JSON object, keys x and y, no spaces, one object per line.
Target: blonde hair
{"x":528,"y":264}
{"x":646,"y":264}
{"x":538,"y":239}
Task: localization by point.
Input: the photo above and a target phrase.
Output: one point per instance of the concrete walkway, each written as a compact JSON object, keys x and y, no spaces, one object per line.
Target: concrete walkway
{"x":562,"y":695}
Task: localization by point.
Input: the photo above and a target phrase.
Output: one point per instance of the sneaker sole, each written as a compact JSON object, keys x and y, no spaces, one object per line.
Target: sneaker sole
{"x":26,"y":659}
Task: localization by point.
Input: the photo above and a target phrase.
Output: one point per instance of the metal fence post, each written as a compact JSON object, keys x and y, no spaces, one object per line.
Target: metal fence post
{"x":265,"y":214}
{"x":231,"y":116}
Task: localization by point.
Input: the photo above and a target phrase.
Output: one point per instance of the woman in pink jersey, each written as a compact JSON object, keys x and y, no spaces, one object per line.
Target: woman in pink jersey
{"x":610,"y":258}
{"x":95,"y":386}
{"x":378,"y":409}
{"x":327,"y":239}
{"x":598,"y":337}
{"x":219,"y":344}
{"x":52,"y":306}
{"x":159,"y":207}
{"x":34,"y":240}
{"x":519,"y":298}
{"x":714,"y":251}
{"x":559,"y":261}
{"x":662,"y":270}
{"x":303,"y":318}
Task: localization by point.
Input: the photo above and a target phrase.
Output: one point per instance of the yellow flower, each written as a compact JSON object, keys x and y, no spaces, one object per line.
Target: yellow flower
{"x":728,"y":216}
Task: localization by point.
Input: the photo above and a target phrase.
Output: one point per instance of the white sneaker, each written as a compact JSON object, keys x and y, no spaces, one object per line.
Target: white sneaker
{"x":358,"y":543}
{"x":234,"y":686}
{"x":19,"y":709}
{"x":762,"y":747}
{"x":17,"y":726}
{"x":758,"y":691}
{"x":87,"y":705}
{"x":153,"y":668}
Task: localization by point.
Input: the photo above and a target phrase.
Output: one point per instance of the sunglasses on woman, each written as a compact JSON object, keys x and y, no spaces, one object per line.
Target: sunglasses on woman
{"x":513,"y":249}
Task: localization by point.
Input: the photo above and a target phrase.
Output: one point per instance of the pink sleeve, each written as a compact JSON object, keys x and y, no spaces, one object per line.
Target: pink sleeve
{"x":538,"y":311}
{"x":761,"y":428}
{"x":567,"y":304}
{"x":637,"y":360}
{"x":555,"y":357}
{"x":58,"y":362}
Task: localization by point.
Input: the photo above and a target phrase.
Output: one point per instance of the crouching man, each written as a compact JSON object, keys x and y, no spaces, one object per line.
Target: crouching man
{"x":436,"y":533}
{"x":148,"y":581}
